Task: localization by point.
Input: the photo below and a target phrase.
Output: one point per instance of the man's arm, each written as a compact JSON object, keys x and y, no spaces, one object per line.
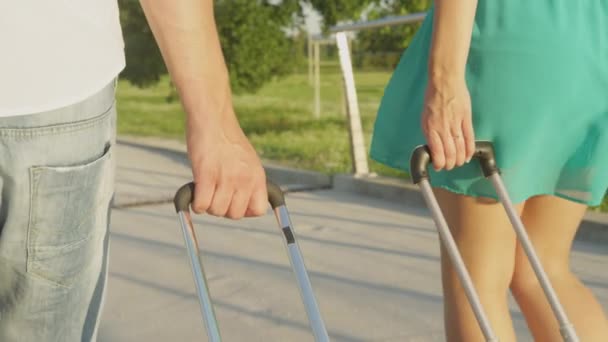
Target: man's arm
{"x":229,"y":177}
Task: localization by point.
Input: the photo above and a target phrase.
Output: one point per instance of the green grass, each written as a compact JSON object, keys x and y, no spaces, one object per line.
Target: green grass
{"x":278,"y":119}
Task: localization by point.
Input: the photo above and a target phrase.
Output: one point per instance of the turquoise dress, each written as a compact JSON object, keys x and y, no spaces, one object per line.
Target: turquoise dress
{"x":537,"y":72}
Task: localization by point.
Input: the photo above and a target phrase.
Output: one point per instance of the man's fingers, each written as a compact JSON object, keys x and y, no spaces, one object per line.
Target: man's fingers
{"x":258,"y":203}
{"x":239,"y":204}
{"x":221,"y":199}
{"x":204,"y":189}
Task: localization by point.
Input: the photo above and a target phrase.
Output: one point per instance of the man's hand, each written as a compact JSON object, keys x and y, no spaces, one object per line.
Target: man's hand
{"x":228,"y":176}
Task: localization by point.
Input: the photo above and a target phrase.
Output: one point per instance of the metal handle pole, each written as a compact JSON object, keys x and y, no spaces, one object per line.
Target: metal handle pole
{"x":456,"y":259}
{"x":182,"y":201}
{"x":484,"y":152}
{"x":200,"y":279}
{"x":566,"y":328}
{"x":297,"y":263}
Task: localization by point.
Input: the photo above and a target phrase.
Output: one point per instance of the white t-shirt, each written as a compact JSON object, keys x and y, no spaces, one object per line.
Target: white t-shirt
{"x":55,"y":53}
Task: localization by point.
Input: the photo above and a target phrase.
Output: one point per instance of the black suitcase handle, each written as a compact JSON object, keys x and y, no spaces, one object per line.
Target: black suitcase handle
{"x":484,"y":152}
{"x":183,"y":199}
{"x":184,"y":196}
{"x":421,"y":159}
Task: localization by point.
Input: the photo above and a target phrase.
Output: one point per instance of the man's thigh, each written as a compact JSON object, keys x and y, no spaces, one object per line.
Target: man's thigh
{"x":56,"y":186}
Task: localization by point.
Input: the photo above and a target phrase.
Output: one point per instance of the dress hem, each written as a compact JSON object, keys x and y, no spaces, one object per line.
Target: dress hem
{"x":514,"y":200}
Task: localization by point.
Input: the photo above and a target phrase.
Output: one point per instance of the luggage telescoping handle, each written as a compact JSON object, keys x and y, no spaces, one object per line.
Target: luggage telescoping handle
{"x":277,"y":201}
{"x":484,"y":153}
{"x":276,"y":198}
{"x":182,"y":201}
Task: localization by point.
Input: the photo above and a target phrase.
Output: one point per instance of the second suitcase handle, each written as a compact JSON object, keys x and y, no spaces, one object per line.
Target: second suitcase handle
{"x":419,"y":163}
{"x":182,"y":201}
{"x":421,"y":159}
{"x":484,"y":153}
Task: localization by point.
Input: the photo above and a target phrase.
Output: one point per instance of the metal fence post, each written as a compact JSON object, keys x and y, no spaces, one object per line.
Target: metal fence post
{"x":357,"y":141}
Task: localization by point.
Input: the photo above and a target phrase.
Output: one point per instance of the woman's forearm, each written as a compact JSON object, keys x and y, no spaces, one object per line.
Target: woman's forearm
{"x":452,"y":29}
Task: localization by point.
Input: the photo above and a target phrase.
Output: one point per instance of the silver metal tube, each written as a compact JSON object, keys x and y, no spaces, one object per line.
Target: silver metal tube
{"x":388,"y":21}
{"x":297,"y":262}
{"x":456,"y":259}
{"x":200,"y":280}
{"x":566,"y":328}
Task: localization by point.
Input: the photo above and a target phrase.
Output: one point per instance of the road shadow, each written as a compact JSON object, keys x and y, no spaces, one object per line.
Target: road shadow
{"x":300,"y":236}
{"x":341,"y":281}
{"x":258,"y":314}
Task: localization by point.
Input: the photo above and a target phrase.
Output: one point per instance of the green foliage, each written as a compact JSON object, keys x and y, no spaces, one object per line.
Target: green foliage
{"x":254,"y":40}
{"x":277,"y":119}
{"x":382,"y":47}
{"x":252,"y":33}
{"x":335,"y":10}
{"x":144,"y":61}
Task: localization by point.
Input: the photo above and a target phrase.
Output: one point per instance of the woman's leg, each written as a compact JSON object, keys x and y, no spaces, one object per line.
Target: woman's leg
{"x":551,"y":223}
{"x":487,"y":244}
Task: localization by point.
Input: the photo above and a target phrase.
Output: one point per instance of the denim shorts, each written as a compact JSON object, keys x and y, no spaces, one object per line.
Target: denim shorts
{"x":56,"y":187}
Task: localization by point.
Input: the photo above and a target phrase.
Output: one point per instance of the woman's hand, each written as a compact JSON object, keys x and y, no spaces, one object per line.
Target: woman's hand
{"x":447,"y":123}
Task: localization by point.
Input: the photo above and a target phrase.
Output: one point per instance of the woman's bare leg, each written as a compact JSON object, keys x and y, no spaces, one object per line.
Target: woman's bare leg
{"x":487,"y":243}
{"x":551,"y":223}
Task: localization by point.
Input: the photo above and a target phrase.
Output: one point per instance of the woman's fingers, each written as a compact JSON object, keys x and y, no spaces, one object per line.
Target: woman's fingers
{"x":447,"y":125}
{"x":469,"y":138}
{"x":451,"y":151}
{"x":435,"y":144}
{"x":448,"y":149}
{"x":460,"y":146}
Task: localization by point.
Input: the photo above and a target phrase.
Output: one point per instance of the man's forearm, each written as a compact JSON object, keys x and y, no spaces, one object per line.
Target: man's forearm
{"x":229,"y":177}
{"x":452,"y":29}
{"x":186,"y":33}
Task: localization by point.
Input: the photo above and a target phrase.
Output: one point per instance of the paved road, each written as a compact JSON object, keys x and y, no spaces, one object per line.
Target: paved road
{"x":373,"y":264}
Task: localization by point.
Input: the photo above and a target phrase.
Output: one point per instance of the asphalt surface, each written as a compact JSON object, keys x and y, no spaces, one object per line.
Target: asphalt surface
{"x":373,"y":264}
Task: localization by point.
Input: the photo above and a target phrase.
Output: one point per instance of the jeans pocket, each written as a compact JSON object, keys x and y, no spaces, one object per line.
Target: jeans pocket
{"x":69,"y":216}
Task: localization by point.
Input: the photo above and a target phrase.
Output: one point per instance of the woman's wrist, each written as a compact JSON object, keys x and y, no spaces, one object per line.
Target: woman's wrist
{"x":442,"y":74}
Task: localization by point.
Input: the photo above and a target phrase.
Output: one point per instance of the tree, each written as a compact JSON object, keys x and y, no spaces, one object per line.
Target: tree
{"x":252,"y":33}
{"x":254,"y":41}
{"x":383,"y":46}
{"x":144,"y":61}
{"x":334,"y":11}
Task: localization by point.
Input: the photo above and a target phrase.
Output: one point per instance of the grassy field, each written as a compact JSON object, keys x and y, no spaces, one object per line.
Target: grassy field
{"x":278,"y":119}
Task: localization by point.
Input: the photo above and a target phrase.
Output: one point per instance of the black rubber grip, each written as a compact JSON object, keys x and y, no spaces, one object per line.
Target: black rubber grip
{"x":185,"y":195}
{"x":275,"y":195}
{"x":421,"y":159}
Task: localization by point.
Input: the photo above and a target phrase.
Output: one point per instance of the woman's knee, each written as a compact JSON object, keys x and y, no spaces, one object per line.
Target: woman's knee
{"x":485,"y":240}
{"x":490,"y":273}
{"x":551,"y":224}
{"x":524,"y":278}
